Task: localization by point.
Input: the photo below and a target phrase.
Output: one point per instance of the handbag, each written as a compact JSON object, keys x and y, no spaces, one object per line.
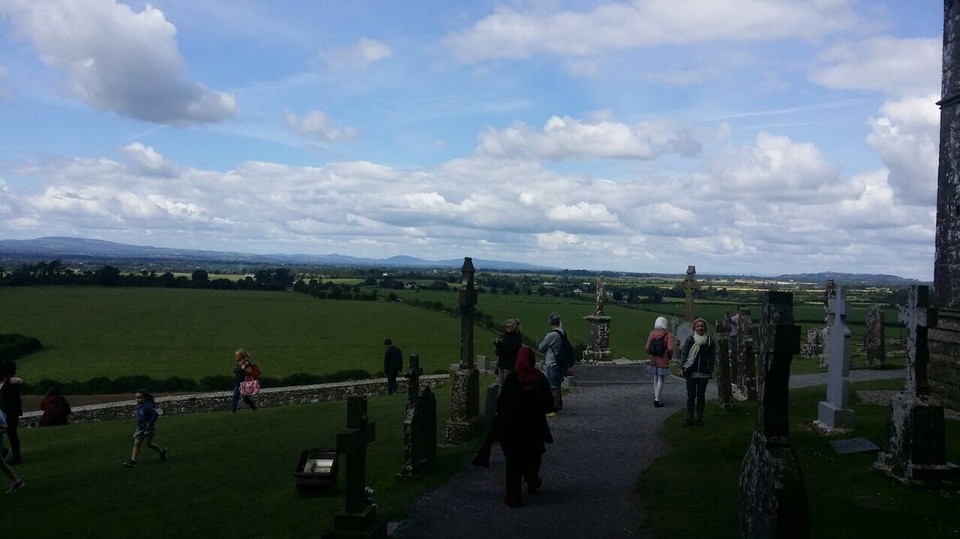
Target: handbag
{"x":249,"y":388}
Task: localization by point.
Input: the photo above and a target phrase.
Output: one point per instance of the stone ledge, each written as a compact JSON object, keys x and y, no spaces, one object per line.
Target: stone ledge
{"x":219,"y":401}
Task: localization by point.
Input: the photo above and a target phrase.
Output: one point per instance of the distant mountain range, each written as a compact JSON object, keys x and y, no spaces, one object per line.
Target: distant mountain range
{"x":71,"y":250}
{"x":108,"y":252}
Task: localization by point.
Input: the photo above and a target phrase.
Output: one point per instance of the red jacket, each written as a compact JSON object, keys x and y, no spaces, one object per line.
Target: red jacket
{"x":664,"y":360}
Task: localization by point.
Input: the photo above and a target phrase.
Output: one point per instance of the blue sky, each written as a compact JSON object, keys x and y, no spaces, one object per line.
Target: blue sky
{"x":740,"y":136}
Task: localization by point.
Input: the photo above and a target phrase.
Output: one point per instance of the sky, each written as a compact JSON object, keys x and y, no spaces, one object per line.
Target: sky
{"x":754,"y":137}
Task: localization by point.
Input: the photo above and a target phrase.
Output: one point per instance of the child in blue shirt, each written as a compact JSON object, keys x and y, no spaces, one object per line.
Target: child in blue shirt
{"x":146,"y":428}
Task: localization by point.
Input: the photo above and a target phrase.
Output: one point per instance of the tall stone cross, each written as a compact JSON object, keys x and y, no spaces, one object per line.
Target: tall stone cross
{"x":352,"y":442}
{"x":914,"y":317}
{"x":833,"y":412}
{"x":413,"y":379}
{"x":601,"y":296}
{"x":689,"y":285}
{"x":467,"y":298}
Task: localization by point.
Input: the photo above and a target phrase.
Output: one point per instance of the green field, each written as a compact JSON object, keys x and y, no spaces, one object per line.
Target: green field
{"x":90,"y":332}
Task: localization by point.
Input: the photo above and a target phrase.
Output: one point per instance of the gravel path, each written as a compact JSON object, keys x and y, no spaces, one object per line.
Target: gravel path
{"x":606,"y":435}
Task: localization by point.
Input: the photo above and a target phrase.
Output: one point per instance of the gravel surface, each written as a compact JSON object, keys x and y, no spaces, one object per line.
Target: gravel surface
{"x":605,"y":436}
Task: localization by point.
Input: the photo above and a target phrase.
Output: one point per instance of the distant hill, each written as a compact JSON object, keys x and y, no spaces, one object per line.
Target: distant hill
{"x":107,"y":252}
{"x":847,"y":279}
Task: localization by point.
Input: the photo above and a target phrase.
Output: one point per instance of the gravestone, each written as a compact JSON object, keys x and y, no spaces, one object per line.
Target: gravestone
{"x":724,"y":392}
{"x":874,"y":339}
{"x":773,"y":498}
{"x":598,"y":329}
{"x":490,"y":405}
{"x":834,"y":412}
{"x":745,"y":384}
{"x":419,"y":425}
{"x":813,"y":345}
{"x":465,"y":419}
{"x":359,"y":519}
{"x":915,"y":451}
{"x":682,"y":331}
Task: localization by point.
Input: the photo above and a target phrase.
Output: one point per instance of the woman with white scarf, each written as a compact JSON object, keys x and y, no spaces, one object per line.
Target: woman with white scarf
{"x":696,"y":365}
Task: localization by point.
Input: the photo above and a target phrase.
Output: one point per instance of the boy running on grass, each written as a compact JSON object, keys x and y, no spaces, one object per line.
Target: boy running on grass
{"x":16,"y":483}
{"x":146,"y":428}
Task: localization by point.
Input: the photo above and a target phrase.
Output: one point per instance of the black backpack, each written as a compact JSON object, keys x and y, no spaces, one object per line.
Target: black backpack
{"x":658,"y":347}
{"x":565,"y":355}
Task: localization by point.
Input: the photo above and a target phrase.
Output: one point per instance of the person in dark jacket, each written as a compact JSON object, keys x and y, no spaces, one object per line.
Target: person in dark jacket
{"x":147,"y":415}
{"x":521,"y":423}
{"x":55,"y":408}
{"x":696,"y":365}
{"x":10,"y":388}
{"x":242,"y":368}
{"x":507,"y":347}
{"x":392,"y":365}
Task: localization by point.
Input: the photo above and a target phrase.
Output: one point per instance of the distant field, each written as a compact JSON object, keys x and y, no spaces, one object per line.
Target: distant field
{"x":90,"y":332}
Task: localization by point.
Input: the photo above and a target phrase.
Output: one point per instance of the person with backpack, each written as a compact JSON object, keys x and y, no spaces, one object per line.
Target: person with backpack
{"x":660,"y":346}
{"x":242,"y":369}
{"x":550,"y":347}
{"x":696,"y":365}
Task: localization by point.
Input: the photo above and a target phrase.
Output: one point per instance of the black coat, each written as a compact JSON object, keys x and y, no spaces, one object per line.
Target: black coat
{"x":507,"y":350}
{"x":521,"y":421}
{"x":392,"y":360}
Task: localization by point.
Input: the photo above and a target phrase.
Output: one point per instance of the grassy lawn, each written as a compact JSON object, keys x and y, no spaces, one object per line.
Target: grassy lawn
{"x":226,"y":476}
{"x":847,"y":499}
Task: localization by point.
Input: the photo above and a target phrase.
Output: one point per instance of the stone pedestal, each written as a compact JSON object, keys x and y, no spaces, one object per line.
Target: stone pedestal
{"x":916,"y":443}
{"x":362,"y":525}
{"x":465,"y":418}
{"x":598,"y":338}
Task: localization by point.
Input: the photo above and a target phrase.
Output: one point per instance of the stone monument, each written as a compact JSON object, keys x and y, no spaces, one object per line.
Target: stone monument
{"x":419,"y":425}
{"x":916,"y":434}
{"x":773,"y":497}
{"x":834,"y":413}
{"x":944,"y":336}
{"x":874,"y":340}
{"x":465,"y":418}
{"x":359,"y":519}
{"x":684,"y":329}
{"x":724,"y":392}
{"x":745,"y":383}
{"x":598,"y":329}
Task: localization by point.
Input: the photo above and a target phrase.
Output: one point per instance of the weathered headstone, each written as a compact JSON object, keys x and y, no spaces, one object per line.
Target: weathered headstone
{"x":419,"y":425}
{"x":915,"y":451}
{"x":682,"y":331}
{"x":490,"y":405}
{"x":724,"y":392}
{"x":834,"y":412}
{"x":359,"y":519}
{"x":745,"y":383}
{"x":874,"y":339}
{"x":813,"y":345}
{"x":465,"y":419}
{"x":598,"y":330}
{"x":773,"y":498}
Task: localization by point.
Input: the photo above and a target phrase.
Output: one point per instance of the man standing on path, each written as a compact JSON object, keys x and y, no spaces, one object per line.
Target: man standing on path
{"x":392,"y":365}
{"x":549,"y":347}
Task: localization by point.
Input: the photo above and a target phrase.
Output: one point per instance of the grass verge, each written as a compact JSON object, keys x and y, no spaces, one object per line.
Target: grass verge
{"x":700,"y":476}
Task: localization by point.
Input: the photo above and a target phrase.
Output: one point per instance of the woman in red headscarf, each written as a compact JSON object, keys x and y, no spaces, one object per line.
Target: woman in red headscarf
{"x":522,"y":407}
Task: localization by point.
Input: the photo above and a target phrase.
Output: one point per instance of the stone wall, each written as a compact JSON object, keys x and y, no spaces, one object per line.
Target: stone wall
{"x":219,"y":401}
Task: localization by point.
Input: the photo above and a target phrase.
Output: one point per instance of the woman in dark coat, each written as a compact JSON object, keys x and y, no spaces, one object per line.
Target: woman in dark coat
{"x":507,"y":347}
{"x":522,"y":430}
{"x":696,"y":365}
{"x":10,"y":388}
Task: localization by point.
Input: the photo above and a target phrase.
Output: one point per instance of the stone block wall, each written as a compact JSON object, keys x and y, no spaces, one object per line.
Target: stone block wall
{"x":198,"y":403}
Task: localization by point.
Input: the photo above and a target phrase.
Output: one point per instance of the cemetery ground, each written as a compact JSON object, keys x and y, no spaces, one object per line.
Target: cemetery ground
{"x":228,"y":473}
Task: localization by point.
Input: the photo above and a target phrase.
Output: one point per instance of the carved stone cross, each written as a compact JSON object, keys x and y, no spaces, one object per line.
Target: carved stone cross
{"x":352,"y":442}
{"x":689,"y":285}
{"x":914,"y":316}
{"x":413,"y":379}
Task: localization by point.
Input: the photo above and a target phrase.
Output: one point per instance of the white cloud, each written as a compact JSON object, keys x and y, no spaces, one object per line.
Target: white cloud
{"x":360,"y":56}
{"x":566,"y":138}
{"x":907,"y":138}
{"x":149,"y":161}
{"x":316,"y":125}
{"x":512,"y":34}
{"x":117,"y":60}
{"x":895,"y":66}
